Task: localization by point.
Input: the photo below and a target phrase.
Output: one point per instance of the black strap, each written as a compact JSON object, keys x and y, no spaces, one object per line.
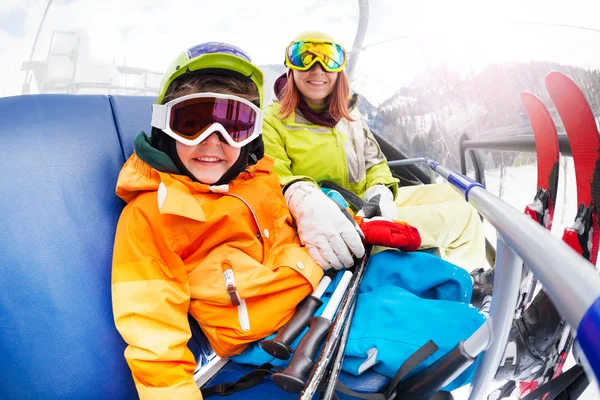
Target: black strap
{"x":247,"y":381}
{"x":255,"y":377}
{"x":575,"y":389}
{"x":352,"y":198}
{"x":557,"y":385}
{"x":411,"y":362}
{"x":408,"y":365}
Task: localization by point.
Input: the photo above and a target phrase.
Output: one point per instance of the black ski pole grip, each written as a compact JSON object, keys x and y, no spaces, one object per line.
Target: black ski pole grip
{"x":292,"y":378}
{"x":279,"y":346}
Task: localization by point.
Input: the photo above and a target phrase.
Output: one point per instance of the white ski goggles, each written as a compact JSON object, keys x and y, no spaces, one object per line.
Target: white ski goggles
{"x":193,"y":118}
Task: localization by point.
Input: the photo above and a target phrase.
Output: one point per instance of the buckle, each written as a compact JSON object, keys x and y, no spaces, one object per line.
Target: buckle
{"x":224,"y":389}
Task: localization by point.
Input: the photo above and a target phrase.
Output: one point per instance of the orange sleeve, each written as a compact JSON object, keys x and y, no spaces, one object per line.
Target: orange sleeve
{"x":151,"y":297}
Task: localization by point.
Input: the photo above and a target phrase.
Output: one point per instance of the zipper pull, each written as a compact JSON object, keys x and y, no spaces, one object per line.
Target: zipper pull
{"x":231,"y":288}
{"x":337,"y":136}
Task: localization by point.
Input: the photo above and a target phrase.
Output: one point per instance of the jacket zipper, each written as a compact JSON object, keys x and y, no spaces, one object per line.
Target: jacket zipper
{"x":337,"y":136}
{"x":260,"y":230}
{"x":236,"y":300}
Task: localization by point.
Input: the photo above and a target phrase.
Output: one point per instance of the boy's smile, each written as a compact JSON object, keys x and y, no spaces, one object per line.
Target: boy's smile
{"x":209,"y":160}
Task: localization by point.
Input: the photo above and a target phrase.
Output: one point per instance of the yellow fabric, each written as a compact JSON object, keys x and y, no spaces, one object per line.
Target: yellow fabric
{"x":444,"y":220}
{"x":347,"y":154}
{"x":318,"y":108}
{"x":183,"y":391}
{"x":174,"y":241}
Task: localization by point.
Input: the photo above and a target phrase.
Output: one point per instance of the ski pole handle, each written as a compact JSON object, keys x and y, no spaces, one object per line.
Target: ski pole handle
{"x":280,"y":346}
{"x":345,"y":306}
{"x":292,"y":378}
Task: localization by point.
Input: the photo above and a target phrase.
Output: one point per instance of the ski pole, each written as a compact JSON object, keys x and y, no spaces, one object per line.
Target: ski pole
{"x":336,"y":367}
{"x":320,"y":365}
{"x":279,"y":346}
{"x":291,"y":379}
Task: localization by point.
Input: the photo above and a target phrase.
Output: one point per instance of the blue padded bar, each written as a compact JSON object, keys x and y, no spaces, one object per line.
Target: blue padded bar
{"x":588,"y":334}
{"x":60,"y":159}
{"x":132,"y":115}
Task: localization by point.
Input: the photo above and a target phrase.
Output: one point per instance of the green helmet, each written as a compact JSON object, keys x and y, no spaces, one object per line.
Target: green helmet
{"x":212,"y":57}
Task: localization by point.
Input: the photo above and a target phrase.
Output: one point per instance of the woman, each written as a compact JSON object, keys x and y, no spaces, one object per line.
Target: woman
{"x":315,"y":132}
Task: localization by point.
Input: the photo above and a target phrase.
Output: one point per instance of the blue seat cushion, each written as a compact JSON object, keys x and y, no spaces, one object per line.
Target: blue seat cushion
{"x":132,"y":115}
{"x":60,"y":160}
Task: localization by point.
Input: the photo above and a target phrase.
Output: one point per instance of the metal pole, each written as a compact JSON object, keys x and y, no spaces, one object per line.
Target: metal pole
{"x":363,"y":22}
{"x":507,"y":280}
{"x":25,"y":89}
{"x":327,"y":353}
{"x":336,"y":367}
{"x":574,"y":290}
{"x":525,"y":144}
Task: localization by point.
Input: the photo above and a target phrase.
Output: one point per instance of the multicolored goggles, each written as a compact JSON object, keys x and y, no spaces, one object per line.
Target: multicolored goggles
{"x":302,"y":55}
{"x":193,"y":118}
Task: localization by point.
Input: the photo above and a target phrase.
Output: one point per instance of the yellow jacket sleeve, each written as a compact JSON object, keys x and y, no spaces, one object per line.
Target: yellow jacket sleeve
{"x":275,"y":148}
{"x":151,"y":296}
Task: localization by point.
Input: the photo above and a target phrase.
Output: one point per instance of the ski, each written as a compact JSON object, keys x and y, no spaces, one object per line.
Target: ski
{"x":548,"y":157}
{"x":579,"y":123}
{"x":541,"y":209}
{"x":583,"y":236}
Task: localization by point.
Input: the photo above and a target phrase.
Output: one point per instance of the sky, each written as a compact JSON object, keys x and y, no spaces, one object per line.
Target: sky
{"x":465,"y":35}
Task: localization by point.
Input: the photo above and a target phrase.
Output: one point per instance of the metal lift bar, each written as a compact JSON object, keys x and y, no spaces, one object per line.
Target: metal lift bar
{"x":524,"y":144}
{"x":568,"y":278}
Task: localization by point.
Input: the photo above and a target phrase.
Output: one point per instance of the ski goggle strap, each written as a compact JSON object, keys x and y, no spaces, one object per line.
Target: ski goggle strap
{"x":193,"y":118}
{"x":217,"y":47}
{"x":302,"y":55}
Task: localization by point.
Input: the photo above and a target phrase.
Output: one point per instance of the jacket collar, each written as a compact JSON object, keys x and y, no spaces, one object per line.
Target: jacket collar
{"x":175,"y":193}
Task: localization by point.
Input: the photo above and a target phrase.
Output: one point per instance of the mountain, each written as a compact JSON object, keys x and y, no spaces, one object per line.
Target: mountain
{"x":271,"y":73}
{"x":428,"y":116}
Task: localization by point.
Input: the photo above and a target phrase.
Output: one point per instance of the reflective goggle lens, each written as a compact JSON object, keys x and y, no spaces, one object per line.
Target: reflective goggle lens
{"x":192,"y":117}
{"x":302,"y":55}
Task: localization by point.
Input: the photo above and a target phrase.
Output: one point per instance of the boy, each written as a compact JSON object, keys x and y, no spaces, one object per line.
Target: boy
{"x":206,"y":229}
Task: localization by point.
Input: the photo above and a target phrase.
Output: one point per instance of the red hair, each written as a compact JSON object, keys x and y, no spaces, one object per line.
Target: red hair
{"x":337,"y":102}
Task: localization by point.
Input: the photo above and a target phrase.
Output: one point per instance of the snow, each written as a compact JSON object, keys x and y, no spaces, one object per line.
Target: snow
{"x":397,"y":101}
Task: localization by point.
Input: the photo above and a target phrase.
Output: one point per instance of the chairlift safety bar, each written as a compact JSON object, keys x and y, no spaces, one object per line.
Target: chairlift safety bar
{"x":571,"y":281}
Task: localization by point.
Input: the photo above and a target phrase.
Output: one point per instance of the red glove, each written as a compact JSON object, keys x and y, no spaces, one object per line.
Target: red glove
{"x":395,"y":234}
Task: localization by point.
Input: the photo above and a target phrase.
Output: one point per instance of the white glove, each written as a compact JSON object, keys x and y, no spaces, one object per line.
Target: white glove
{"x":385,"y":201}
{"x":323,"y":228}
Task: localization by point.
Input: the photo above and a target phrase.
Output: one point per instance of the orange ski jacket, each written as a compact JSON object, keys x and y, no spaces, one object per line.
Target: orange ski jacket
{"x":229,"y":255}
